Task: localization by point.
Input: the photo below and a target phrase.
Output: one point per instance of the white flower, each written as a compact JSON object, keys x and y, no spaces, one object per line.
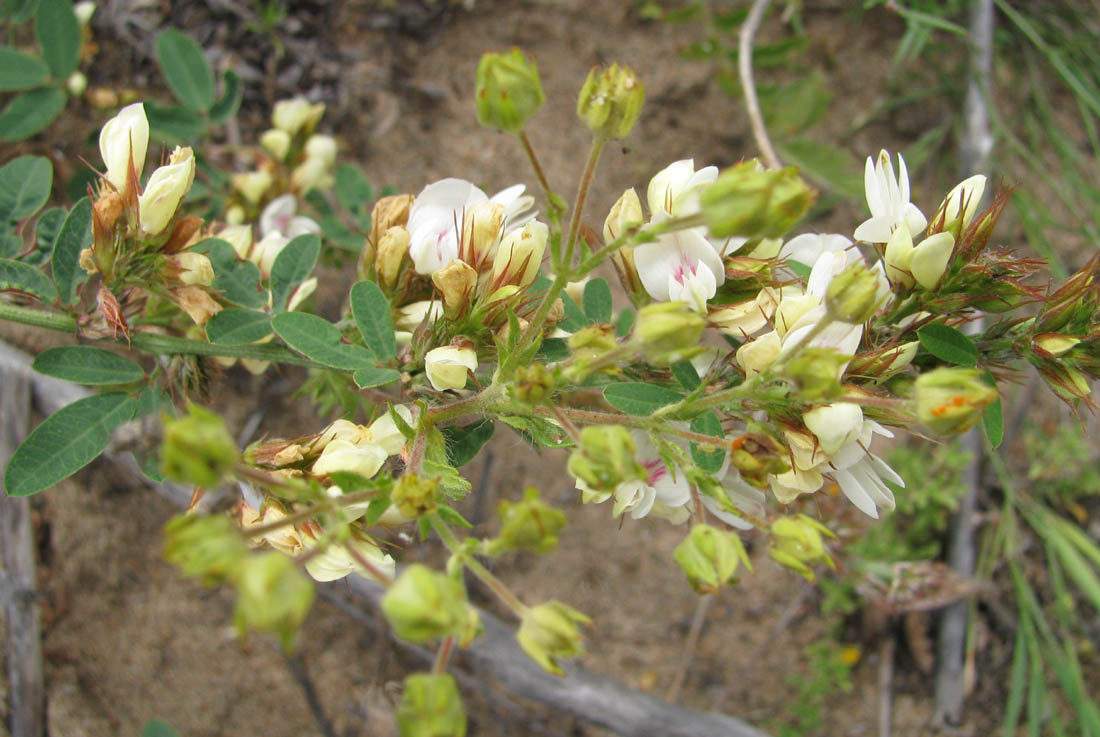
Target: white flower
{"x":194,"y":268}
{"x":447,"y":366}
{"x":962,"y":202}
{"x":336,"y":562}
{"x":383,"y":432}
{"x":276,"y":142}
{"x":252,"y":186}
{"x":291,"y":115}
{"x":930,"y":258}
{"x":519,"y":256}
{"x":888,"y":200}
{"x":674,"y":191}
{"x":408,"y":318}
{"x":300,"y":293}
{"x":745,"y":318}
{"x":322,"y":148}
{"x":238,"y":236}
{"x":436,"y":219}
{"x":740,"y":495}
{"x":364,"y":459}
{"x":808,"y":247}
{"x":661,"y":492}
{"x":263,"y":254}
{"x":278,"y":217}
{"x":313,"y":173}
{"x":124,"y":137}
{"x":680,"y":267}
{"x":167,"y":186}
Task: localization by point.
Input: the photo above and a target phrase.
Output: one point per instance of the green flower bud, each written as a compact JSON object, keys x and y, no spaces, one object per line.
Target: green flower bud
{"x":667,"y":332}
{"x":549,"y":631}
{"x":604,"y":458}
{"x":951,"y":400}
{"x":197,"y":449}
{"x":852,"y":295}
{"x":752,"y":202}
{"x":1052,"y":345}
{"x":508,"y":91}
{"x":431,"y":707}
{"x":414,"y":496}
{"x":527,"y":525}
{"x":610,"y":101}
{"x":710,"y":556}
{"x":533,"y":384}
{"x":273,"y":595}
{"x":424,"y":605}
{"x":210,"y":548}
{"x":816,"y":373}
{"x":797,"y":541}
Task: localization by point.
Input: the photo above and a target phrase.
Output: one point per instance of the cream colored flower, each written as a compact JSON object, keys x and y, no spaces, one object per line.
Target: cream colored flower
{"x":167,"y":186}
{"x":125,"y":137}
{"x":448,"y":366}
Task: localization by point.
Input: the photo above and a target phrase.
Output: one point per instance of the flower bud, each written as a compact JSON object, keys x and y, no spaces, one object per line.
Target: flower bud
{"x":959,"y":207}
{"x":527,"y":525}
{"x":76,"y":83}
{"x":234,"y":214}
{"x":209,"y":548}
{"x":84,"y":12}
{"x":709,"y":557}
{"x":272,"y":596}
{"x":533,"y":384}
{"x":364,"y":459}
{"x":898,"y":256}
{"x":192,"y":268}
{"x":414,"y":496}
{"x":301,"y":293}
{"x":388,"y":212}
{"x":852,"y":295}
{"x":384,"y":432}
{"x":311,"y":174}
{"x":238,"y":236}
{"x":667,"y":332}
{"x":322,"y":148}
{"x":196,"y":448}
{"x":625,"y":214}
{"x":751,"y":202}
{"x":456,"y":283}
{"x":929,"y":260}
{"x":253,"y":185}
{"x":610,"y":100}
{"x":519,"y":256}
{"x":508,"y":91}
{"x":106,"y":210}
{"x":425,"y":605}
{"x":951,"y":400}
{"x":745,"y":318}
{"x":390,"y":254}
{"x":756,"y":355}
{"x":448,"y":366}
{"x":122,"y":144}
{"x":834,"y":425}
{"x":797,"y":542}
{"x":1052,"y":345}
{"x":431,"y":707}
{"x":481,"y":227}
{"x":549,"y":631}
{"x":264,"y":253}
{"x":604,"y":458}
{"x":276,"y":142}
{"x":816,"y":373}
{"x":157,"y":205}
{"x":296,"y":114}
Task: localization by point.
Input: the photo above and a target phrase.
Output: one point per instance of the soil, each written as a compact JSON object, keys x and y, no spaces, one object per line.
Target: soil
{"x":127,"y":639}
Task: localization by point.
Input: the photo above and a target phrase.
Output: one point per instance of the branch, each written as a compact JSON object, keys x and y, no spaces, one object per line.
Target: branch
{"x":593,"y":698}
{"x":748,"y":86}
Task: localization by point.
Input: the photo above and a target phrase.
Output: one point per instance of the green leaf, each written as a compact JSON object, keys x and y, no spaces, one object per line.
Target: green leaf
{"x":376,"y":509}
{"x":792,"y":108}
{"x":238,"y":327}
{"x":18,"y":11}
{"x":26,"y":278}
{"x":451,"y":482}
{"x":185,"y":69}
{"x":59,"y":35}
{"x":30,"y":112}
{"x":10,"y":245}
{"x":65,"y":442}
{"x":19,"y":71}
{"x":371,"y":310}
{"x":235,"y":280}
{"x":226,"y":106}
{"x":85,"y":364}
{"x":828,"y":166}
{"x":597,"y":300}
{"x":799,"y":269}
{"x":636,"y":398}
{"x":463,"y":443}
{"x":994,"y":423}
{"x":292,"y":266}
{"x":45,"y":233}
{"x":452,"y":517}
{"x":1015,"y":702}
{"x":553,"y":350}
{"x":574,"y":317}
{"x":175,"y":124}
{"x":707,"y":424}
{"x":157,"y":728}
{"x":366,"y":378}
{"x":319,"y":340}
{"x":75,"y":235}
{"x":352,"y":188}
{"x":948,"y":344}
{"x":1079,"y":569}
{"x":624,"y":323}
{"x":686,"y":374}
{"x":24,"y":187}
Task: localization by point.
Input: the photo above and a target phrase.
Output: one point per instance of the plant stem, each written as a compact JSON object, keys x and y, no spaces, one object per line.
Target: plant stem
{"x":477,"y":404}
{"x":582,"y":194}
{"x":498,"y":587}
{"x":442,"y":655}
{"x":748,"y":86}
{"x":159,"y":344}
{"x":551,"y":198}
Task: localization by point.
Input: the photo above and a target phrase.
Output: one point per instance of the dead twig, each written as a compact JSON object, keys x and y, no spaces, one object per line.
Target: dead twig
{"x":748,"y":86}
{"x":690,"y":645}
{"x":886,"y":684}
{"x":297,"y":669}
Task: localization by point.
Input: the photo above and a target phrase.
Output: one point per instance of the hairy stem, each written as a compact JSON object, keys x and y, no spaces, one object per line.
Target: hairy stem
{"x":582,"y":194}
{"x":475,"y":567}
